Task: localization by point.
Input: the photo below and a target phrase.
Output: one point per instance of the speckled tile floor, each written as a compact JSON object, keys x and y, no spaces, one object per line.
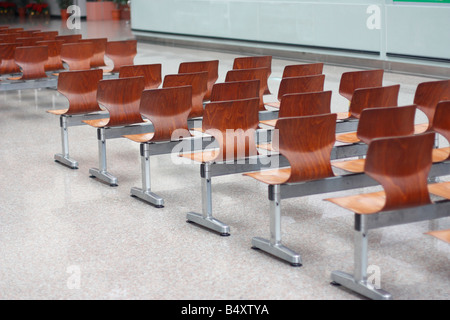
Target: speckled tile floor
{"x":66,"y":236}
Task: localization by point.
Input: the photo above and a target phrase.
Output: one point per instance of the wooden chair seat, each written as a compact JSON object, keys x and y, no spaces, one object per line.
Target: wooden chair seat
{"x":32,"y":62}
{"x":212,"y":67}
{"x":255,"y":62}
{"x":441,"y":189}
{"x":274,"y":104}
{"x":77,"y":55}
{"x":141,"y":138}
{"x":420,"y":128}
{"x":122,"y":53}
{"x":367,"y":203}
{"x":443,"y":235}
{"x":99,"y":48}
{"x":302,"y":70}
{"x":150,"y":72}
{"x":80,"y":88}
{"x":441,"y":154}
{"x":306,"y":84}
{"x":261,"y":74}
{"x":271,"y":177}
{"x":350,"y":81}
{"x":97,"y":123}
{"x":198,"y":81}
{"x":354,"y":166}
{"x":202,"y":157}
{"x":343,"y":115}
{"x":271,"y":123}
{"x":349,"y":137}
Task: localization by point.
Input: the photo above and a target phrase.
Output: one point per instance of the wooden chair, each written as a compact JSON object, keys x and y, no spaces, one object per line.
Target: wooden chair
{"x":198,"y":81}
{"x":350,"y":81}
{"x":212,"y":67}
{"x":299,"y":85}
{"x":254,"y":62}
{"x":121,"y":98}
{"x":47,"y":35}
{"x":8,"y":64}
{"x":303,"y":104}
{"x":31,"y":61}
{"x":28,"y":42}
{"x":71,"y":38}
{"x":427,"y":96}
{"x":236,"y":90}
{"x":80,"y":89}
{"x":233,"y":125}
{"x":54,"y":62}
{"x":150,"y":72}
{"x":99,"y":48}
{"x":443,"y":235}
{"x":122,"y":53}
{"x":306,"y":142}
{"x":302,"y":70}
{"x":401,"y":165}
{"x":168,"y":110}
{"x":379,"y":123}
{"x":441,"y":125}
{"x":77,"y":55}
{"x":261,"y":74}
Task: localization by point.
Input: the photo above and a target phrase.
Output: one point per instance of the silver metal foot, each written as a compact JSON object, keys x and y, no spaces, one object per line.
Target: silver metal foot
{"x":277,"y":250}
{"x":66,"y":161}
{"x":104,"y":176}
{"x":148,"y":196}
{"x":208,"y":222}
{"x":362,"y":287}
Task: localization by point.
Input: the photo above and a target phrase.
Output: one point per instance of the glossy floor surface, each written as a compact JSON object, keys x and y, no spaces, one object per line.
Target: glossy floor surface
{"x":64,"y":235}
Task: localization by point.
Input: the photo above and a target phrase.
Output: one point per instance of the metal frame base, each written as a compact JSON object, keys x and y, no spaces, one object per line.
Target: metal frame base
{"x":277,"y":250}
{"x":148,"y":196}
{"x":103,"y":176}
{"x":71,"y":163}
{"x":362,"y":287}
{"x":209,"y":222}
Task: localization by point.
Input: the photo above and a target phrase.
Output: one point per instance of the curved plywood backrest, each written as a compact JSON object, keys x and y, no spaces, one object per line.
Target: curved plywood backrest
{"x":253,"y":62}
{"x":8,"y":64}
{"x":71,"y":38}
{"x":150,"y":72}
{"x":77,"y":55}
{"x":198,"y":81}
{"x":8,"y":38}
{"x":350,"y":81}
{"x":376,"y":97}
{"x":301,"y":85}
{"x":302,"y":70}
{"x":99,"y":48}
{"x":306,"y":142}
{"x":80,"y":88}
{"x":122,"y":53}
{"x":236,"y":90}
{"x":212,"y":67}
{"x":441,"y":123}
{"x":28,"y":42}
{"x":121,"y":97}
{"x":233,"y":125}
{"x":386,"y":122}
{"x":12,"y":30}
{"x":305,"y":104}
{"x":401,"y":165}
{"x":32,"y":61}
{"x":261,"y":74}
{"x":54,"y":61}
{"x":428,"y":94}
{"x":47,"y":35}
{"x":168,"y":110}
